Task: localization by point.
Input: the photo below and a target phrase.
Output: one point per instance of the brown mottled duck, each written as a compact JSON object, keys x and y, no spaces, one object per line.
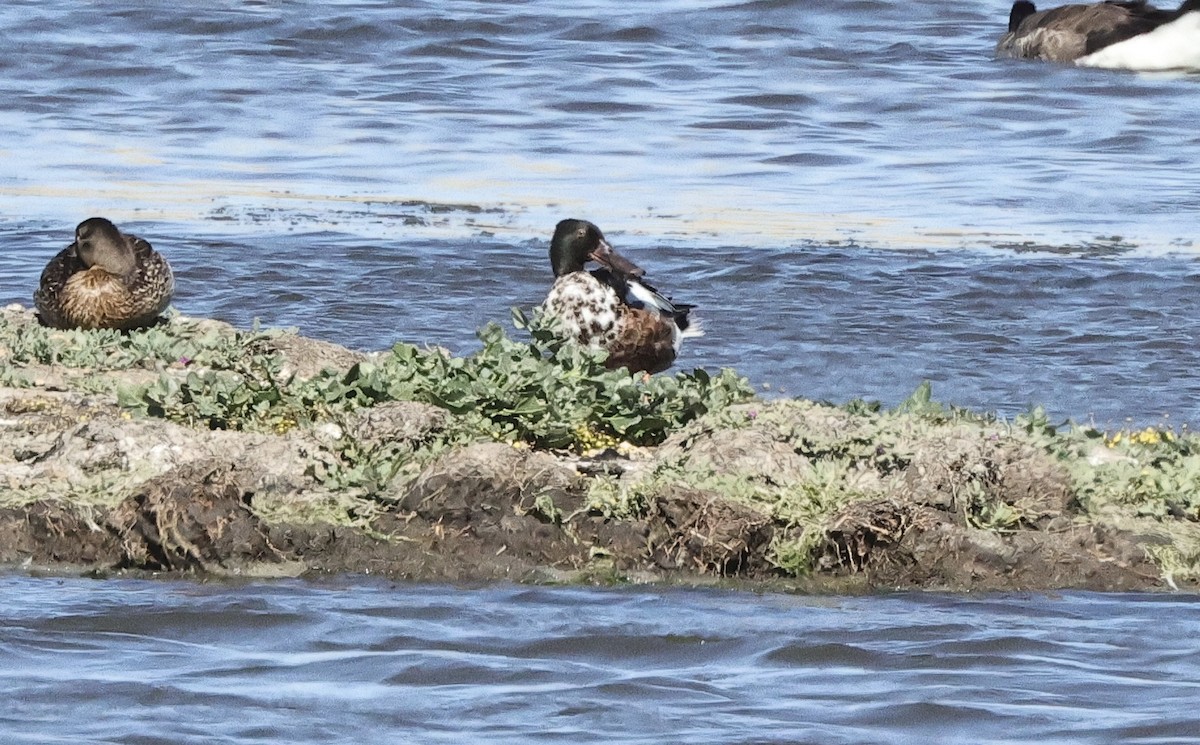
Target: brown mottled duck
{"x":105,"y":279}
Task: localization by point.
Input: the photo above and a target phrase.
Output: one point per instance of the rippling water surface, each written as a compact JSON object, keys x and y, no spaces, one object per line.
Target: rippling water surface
{"x":132,"y":661}
{"x":855,"y":194}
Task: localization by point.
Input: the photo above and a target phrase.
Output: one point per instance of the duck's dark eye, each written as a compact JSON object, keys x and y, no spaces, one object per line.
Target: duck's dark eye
{"x":581,"y":232}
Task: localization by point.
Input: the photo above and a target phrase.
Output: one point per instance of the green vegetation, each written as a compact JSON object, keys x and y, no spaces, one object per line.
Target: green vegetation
{"x":178,"y":343}
{"x":799,"y":463}
{"x":803,"y":464}
{"x":544,"y":392}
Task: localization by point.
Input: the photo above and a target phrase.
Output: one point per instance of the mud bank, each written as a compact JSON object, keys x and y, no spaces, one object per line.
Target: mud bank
{"x":198,"y":448}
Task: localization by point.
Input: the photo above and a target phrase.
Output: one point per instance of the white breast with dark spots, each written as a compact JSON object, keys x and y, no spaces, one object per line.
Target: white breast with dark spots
{"x":588,"y":309}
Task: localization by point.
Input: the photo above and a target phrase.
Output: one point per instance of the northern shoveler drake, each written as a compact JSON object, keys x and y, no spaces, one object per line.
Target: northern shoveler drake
{"x":1066,"y":33}
{"x":105,"y":279}
{"x":613,"y":307}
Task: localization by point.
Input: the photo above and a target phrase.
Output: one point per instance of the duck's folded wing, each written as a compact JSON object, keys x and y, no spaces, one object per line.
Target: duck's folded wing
{"x":641,"y":295}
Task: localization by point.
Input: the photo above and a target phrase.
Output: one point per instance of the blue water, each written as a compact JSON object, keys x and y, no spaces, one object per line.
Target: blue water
{"x":154,"y":661}
{"x":753,"y":123}
{"x":855,"y":195}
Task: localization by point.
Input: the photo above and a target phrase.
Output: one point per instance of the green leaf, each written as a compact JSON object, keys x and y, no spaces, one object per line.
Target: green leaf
{"x":621,"y":424}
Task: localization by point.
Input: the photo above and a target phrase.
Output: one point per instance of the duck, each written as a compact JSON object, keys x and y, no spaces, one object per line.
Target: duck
{"x":1068,"y":32}
{"x":613,"y":307}
{"x":105,"y":279}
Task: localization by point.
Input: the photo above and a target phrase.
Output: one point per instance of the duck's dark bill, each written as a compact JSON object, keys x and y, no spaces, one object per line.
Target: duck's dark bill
{"x":606,"y":256}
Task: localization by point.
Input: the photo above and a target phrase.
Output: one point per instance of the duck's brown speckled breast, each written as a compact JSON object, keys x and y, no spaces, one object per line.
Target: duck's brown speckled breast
{"x":71,"y":295}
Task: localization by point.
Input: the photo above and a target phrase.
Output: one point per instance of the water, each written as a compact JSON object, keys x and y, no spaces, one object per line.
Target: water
{"x":857,"y":197}
{"x":855,"y":194}
{"x":149,"y":662}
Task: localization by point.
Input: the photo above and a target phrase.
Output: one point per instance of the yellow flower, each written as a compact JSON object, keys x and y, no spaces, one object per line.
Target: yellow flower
{"x":587,"y":439}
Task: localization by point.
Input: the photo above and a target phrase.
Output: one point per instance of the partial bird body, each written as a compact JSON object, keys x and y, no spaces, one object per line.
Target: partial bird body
{"x":1068,"y":32}
{"x":1174,"y":46}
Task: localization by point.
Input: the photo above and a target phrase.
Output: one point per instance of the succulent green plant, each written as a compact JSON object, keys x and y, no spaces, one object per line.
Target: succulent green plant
{"x":545,"y":391}
{"x":178,"y":342}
